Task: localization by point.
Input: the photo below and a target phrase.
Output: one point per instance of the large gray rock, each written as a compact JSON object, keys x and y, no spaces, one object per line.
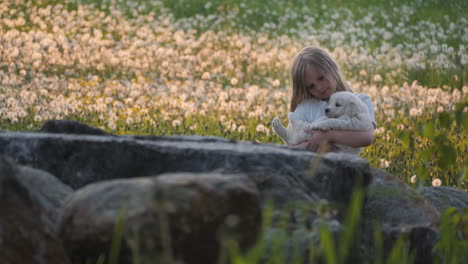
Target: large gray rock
{"x":190,"y":212}
{"x":281,"y":174}
{"x":393,"y":202}
{"x":444,"y":197}
{"x":400,"y":211}
{"x":284,"y":175}
{"x":70,"y":127}
{"x":29,"y":202}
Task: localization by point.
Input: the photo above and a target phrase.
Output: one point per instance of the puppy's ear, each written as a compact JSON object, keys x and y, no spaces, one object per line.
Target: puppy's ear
{"x":353,"y":107}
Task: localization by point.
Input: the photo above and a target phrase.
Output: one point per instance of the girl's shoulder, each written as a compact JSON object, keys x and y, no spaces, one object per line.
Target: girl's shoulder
{"x":362,"y":96}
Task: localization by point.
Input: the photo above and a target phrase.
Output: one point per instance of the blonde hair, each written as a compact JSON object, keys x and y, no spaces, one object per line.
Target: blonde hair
{"x":322,"y":62}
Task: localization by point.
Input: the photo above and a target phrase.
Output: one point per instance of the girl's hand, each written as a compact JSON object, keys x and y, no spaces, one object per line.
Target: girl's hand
{"x":320,"y":141}
{"x":302,"y":145}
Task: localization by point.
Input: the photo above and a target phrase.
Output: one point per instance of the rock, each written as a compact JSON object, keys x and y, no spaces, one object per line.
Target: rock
{"x":444,"y":197}
{"x":281,"y":174}
{"x":399,"y":210}
{"x":70,"y":127}
{"x":391,"y":201}
{"x":421,"y":240}
{"x":293,"y":245}
{"x":339,"y":177}
{"x":29,"y":202}
{"x":108,"y":170}
{"x":197,"y":209}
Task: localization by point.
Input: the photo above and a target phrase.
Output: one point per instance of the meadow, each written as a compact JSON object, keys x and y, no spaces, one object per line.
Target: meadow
{"x":164,"y":67}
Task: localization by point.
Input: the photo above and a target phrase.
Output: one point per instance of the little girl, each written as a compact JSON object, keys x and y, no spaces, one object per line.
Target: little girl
{"x":315,"y":77}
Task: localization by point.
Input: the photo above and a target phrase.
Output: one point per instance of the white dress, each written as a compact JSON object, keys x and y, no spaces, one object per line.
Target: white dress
{"x":312,"y":109}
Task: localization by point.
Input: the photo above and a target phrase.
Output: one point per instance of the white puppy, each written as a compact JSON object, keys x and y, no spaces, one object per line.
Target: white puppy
{"x":345,"y":111}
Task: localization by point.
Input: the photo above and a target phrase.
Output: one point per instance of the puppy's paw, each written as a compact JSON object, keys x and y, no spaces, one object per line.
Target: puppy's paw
{"x":276,"y":123}
{"x":318,"y":126}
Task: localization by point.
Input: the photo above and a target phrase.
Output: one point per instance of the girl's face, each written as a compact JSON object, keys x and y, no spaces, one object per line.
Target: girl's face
{"x":318,"y":85}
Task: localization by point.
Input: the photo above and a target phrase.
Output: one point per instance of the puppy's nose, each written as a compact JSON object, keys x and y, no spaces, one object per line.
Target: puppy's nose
{"x":327,"y":110}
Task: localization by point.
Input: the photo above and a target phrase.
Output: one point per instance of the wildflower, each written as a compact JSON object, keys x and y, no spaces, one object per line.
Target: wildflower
{"x":415,"y":112}
{"x":206,"y":76}
{"x":233,"y":127}
{"x":241,"y":129}
{"x":377,"y":78}
{"x":436,"y":182}
{"x":276,"y":83}
{"x":384,"y":163}
{"x":176,"y":123}
{"x":260,"y":128}
{"x":208,"y":5}
{"x":129,"y":120}
{"x":234,"y":81}
{"x":379,"y":130}
{"x":38,"y":118}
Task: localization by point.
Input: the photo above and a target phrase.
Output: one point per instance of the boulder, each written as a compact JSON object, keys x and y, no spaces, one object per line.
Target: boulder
{"x":294,"y":244}
{"x":443,"y":197}
{"x":420,"y":240}
{"x":70,"y":127}
{"x":109,"y":171}
{"x":29,"y":204}
{"x":392,"y":202}
{"x":400,"y":211}
{"x":282,"y":174}
{"x":178,"y":216}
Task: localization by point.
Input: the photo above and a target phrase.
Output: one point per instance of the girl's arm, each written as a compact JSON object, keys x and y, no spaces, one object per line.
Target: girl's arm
{"x":352,"y":138}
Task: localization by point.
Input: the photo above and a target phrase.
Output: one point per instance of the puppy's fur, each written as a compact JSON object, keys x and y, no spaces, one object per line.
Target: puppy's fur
{"x":345,"y":111}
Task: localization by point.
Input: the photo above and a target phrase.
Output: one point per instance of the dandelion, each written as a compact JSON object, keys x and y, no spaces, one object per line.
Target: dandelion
{"x":208,"y":5}
{"x":276,"y":83}
{"x":234,"y":81}
{"x":436,"y":182}
{"x":112,"y":125}
{"x":241,"y":129}
{"x":38,"y":118}
{"x":233,"y":127}
{"x":176,"y":123}
{"x":260,"y":128}
{"x":415,"y":112}
{"x":206,"y":76}
{"x":129,"y":120}
{"x":384,"y":163}
{"x":379,"y":130}
{"x":377,"y":78}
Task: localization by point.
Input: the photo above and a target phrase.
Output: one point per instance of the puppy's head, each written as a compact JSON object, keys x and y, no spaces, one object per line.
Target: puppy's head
{"x":343,"y":103}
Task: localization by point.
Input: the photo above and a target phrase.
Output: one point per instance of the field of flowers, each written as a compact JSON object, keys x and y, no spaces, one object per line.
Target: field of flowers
{"x":221,"y":68}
